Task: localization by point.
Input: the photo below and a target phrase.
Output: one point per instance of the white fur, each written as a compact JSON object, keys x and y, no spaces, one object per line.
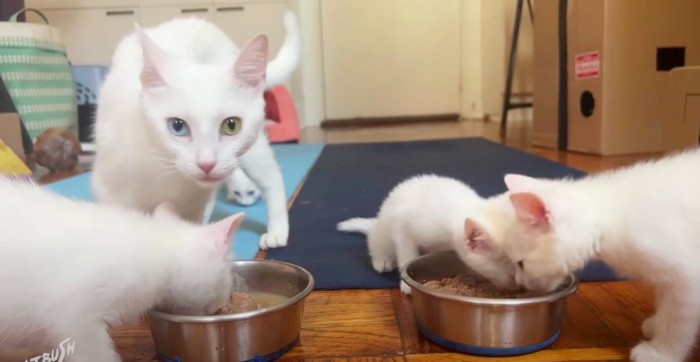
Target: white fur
{"x":189,"y":69}
{"x":641,"y":220}
{"x":427,"y":213}
{"x":71,"y":269}
{"x":241,"y":189}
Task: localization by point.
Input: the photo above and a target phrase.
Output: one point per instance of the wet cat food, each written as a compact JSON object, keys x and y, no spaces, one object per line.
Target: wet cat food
{"x":474,"y":286}
{"x":239,"y":303}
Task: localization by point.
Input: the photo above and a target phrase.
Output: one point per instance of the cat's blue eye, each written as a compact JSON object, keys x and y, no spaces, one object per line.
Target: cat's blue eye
{"x":250,"y":193}
{"x":237,"y":193}
{"x":178,"y":127}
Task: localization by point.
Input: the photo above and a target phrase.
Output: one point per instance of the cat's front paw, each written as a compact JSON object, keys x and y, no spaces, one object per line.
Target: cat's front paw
{"x":405,"y":289}
{"x":383,"y":266}
{"x":273,"y":239}
{"x":649,"y":327}
{"x":645,"y":352}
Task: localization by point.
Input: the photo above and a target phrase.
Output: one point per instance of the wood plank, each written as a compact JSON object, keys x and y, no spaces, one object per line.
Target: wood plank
{"x":348,"y":323}
{"x":621,"y":305}
{"x":583,"y":328}
{"x":134,"y":342}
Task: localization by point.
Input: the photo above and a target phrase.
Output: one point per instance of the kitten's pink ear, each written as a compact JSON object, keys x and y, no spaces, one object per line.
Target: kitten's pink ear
{"x":166,"y":210}
{"x":520,"y":183}
{"x":224,"y":229}
{"x":251,"y":65}
{"x":153,"y":59}
{"x":530,"y":209}
{"x":476,"y":237}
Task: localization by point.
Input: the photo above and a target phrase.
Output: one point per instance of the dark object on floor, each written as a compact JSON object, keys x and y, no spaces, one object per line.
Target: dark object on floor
{"x":352,"y":180}
{"x":57,"y":149}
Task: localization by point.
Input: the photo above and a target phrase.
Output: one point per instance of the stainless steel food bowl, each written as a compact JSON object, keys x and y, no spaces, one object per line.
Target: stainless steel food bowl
{"x":481,"y":326}
{"x":260,"y":334}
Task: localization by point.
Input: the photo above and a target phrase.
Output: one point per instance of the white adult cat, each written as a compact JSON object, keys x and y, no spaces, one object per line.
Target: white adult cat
{"x":181,"y":109}
{"x":641,"y":220}
{"x":241,"y":189}
{"x":429,"y":213}
{"x":71,"y":269}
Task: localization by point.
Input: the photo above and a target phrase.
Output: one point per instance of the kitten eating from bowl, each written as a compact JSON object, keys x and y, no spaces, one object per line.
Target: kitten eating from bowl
{"x":430,"y":213}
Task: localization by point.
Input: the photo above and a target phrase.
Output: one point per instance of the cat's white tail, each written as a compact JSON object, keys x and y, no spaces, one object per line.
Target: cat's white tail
{"x":287,"y":59}
{"x":356,"y":225}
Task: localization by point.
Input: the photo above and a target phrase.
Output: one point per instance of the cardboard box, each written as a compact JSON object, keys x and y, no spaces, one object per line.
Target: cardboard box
{"x":11,"y":133}
{"x":620,"y":53}
{"x":681,"y":108}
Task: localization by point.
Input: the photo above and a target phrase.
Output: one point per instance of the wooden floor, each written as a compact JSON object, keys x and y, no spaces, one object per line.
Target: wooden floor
{"x":601,"y":323}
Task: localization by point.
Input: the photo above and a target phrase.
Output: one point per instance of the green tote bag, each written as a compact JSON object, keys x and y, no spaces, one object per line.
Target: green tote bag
{"x":37,"y":74}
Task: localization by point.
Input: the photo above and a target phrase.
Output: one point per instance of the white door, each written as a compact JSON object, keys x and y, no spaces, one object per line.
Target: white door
{"x":243,"y":21}
{"x":91,"y":35}
{"x":391,"y":57}
{"x":152,"y":16}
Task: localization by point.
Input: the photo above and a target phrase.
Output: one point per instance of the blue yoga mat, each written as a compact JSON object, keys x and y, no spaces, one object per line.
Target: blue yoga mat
{"x":295,"y":162}
{"x":352,"y":180}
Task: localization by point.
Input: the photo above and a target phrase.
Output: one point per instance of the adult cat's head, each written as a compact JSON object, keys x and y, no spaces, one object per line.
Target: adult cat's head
{"x":204,"y":115}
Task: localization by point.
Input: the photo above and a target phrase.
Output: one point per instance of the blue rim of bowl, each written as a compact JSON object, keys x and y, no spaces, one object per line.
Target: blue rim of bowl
{"x":264,"y":358}
{"x":177,"y":318}
{"x":487,"y":351}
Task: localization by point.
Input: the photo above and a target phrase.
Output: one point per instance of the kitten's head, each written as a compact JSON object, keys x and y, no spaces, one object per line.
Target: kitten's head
{"x":241,"y":189}
{"x":203,"y":115}
{"x":204,"y":280}
{"x":551,"y":237}
{"x":483,"y":237}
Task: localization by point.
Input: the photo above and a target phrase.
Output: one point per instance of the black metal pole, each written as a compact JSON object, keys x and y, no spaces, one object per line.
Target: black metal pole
{"x":511,"y":66}
{"x":563,"y":107}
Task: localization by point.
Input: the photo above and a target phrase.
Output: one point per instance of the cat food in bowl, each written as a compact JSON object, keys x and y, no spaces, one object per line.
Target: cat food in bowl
{"x":261,"y":320}
{"x":461,"y":311}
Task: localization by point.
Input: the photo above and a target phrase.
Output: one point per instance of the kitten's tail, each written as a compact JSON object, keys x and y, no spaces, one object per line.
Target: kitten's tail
{"x":356,"y":225}
{"x":287,"y":59}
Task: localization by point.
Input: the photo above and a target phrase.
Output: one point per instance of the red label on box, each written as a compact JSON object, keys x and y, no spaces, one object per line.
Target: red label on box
{"x":587,"y":65}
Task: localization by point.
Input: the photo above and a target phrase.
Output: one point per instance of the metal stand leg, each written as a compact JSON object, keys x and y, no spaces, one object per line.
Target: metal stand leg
{"x":507,"y":105}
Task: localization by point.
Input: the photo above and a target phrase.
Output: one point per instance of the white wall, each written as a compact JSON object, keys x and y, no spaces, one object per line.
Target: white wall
{"x":472,"y":102}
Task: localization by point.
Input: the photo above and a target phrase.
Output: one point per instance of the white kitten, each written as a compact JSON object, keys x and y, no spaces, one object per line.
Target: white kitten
{"x":71,"y":269}
{"x":241,"y":189}
{"x":181,"y":109}
{"x":429,"y":213}
{"x":641,"y":220}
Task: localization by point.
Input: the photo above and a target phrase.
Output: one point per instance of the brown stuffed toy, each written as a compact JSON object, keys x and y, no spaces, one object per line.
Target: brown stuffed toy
{"x":57,"y":149}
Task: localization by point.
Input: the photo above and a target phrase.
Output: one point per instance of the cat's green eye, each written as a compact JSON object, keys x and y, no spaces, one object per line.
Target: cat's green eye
{"x":231,"y":126}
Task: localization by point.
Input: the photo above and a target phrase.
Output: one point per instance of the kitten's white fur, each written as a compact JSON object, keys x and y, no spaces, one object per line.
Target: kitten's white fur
{"x":241,"y":189}
{"x":641,"y":220}
{"x":71,"y":269}
{"x":429,"y":213}
{"x":189,"y":69}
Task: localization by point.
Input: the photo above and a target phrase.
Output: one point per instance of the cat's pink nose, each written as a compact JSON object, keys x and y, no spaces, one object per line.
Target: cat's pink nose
{"x":206,"y":166}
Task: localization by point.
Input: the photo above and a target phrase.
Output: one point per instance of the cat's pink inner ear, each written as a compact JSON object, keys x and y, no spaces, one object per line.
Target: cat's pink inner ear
{"x":224,"y":229}
{"x":530,"y":209}
{"x":519,"y":183}
{"x":251,"y":65}
{"x":476,"y":238}
{"x":153,"y":56}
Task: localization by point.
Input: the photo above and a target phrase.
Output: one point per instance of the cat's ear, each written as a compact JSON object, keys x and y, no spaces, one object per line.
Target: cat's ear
{"x":153,"y":59}
{"x":530,"y":209}
{"x":166,"y":210}
{"x":476,"y":237}
{"x":520,"y":183}
{"x":251,"y":66}
{"x":223,"y":230}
